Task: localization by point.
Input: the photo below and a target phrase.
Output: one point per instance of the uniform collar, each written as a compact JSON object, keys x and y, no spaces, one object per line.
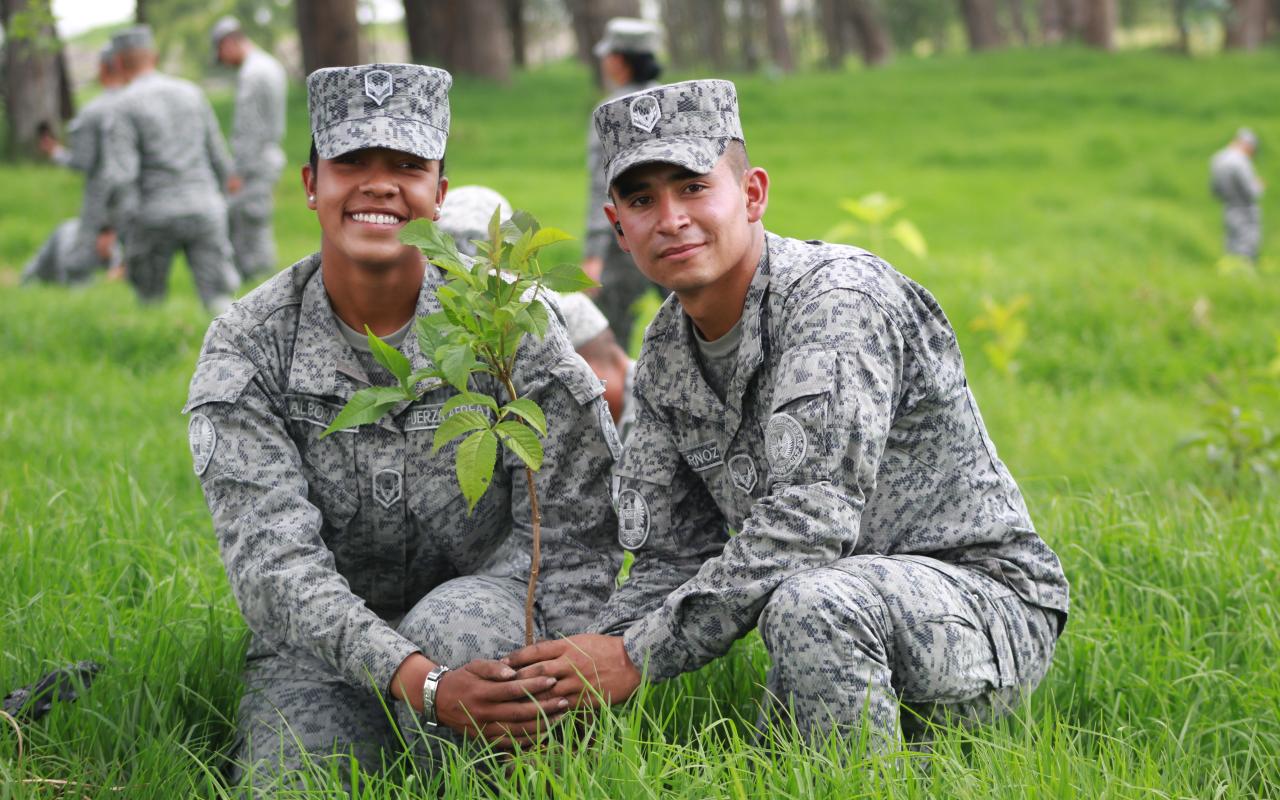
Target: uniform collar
{"x":320,"y":353}
{"x":674,"y":340}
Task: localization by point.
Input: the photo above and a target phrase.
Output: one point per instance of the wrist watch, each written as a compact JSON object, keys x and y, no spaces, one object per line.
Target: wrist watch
{"x":429,"y":687}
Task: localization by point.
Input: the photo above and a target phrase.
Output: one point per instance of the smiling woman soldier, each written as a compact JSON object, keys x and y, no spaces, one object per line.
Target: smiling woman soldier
{"x":352,"y":558}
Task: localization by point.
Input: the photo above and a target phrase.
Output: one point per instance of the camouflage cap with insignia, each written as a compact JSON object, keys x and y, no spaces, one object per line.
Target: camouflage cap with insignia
{"x":628,"y":35}
{"x":689,"y":124}
{"x":398,"y":106}
{"x":465,"y":214}
{"x":137,"y":37}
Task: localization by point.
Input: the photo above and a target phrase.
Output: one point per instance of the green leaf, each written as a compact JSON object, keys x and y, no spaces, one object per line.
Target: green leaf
{"x":909,"y":236}
{"x":365,"y":406}
{"x":474,"y":466}
{"x":521,"y":440}
{"x":519,"y":262}
{"x":457,"y":424}
{"x":389,"y":357}
{"x":529,"y":411}
{"x":524,"y":221}
{"x":456,"y":362}
{"x":544,"y":237}
{"x":470,"y":399}
{"x":423,"y":374}
{"x":433,"y":242}
{"x":566,"y":278}
{"x":538,"y":313}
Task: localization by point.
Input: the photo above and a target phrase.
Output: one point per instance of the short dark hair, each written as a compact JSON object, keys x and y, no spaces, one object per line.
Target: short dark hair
{"x":314,"y":159}
{"x":736,"y":153}
{"x":644,"y":66}
{"x":44,"y":128}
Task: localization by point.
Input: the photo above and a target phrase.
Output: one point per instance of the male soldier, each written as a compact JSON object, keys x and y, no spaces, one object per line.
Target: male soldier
{"x":79,"y":247}
{"x":1238,"y":186}
{"x":814,"y":400}
{"x":256,"y":134}
{"x":168,"y":161}
{"x":353,"y":558}
{"x":628,"y":63}
{"x":466,"y":218}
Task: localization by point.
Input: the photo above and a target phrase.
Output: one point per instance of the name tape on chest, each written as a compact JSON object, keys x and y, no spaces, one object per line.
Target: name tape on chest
{"x":313,"y":411}
{"x":429,"y":417}
{"x":703,"y":457}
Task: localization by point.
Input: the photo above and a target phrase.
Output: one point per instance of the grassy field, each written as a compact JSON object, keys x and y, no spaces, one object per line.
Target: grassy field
{"x":1074,"y":179}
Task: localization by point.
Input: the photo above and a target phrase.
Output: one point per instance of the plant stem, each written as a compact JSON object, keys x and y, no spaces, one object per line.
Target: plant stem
{"x":534,"y":559}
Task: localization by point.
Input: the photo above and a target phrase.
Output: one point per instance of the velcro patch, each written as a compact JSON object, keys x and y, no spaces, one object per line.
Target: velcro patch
{"x":429,"y":417}
{"x":703,"y":457}
{"x":203,"y":438}
{"x":633,"y":519}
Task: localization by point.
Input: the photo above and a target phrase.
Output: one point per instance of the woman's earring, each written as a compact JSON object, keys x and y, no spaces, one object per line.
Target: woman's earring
{"x":311,"y":198}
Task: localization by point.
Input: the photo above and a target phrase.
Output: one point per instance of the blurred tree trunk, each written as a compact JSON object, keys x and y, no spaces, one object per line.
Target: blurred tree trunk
{"x":873,"y":38}
{"x":749,"y":27}
{"x":1018,"y":18}
{"x":1246,"y":24}
{"x":33,"y":91}
{"x":425,"y":22}
{"x":140,"y":12}
{"x":833,"y":32}
{"x":515,"y":23}
{"x":1179,"y":8}
{"x":1052,"y":21}
{"x":681,"y":40}
{"x":711,"y":19}
{"x":589,"y":18}
{"x":1100,"y":24}
{"x":981,"y":24}
{"x":469,"y":38}
{"x":1075,"y":14}
{"x":779,"y":42}
{"x":329,"y":33}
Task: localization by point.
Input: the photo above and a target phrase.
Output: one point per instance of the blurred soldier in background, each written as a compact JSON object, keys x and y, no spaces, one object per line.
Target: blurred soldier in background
{"x":1237,"y":185}
{"x":80,"y":246}
{"x":628,"y":63}
{"x":465,"y":216}
{"x":256,"y":134}
{"x":168,"y":161}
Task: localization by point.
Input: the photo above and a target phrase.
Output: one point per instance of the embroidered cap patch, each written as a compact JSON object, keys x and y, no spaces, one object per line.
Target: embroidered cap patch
{"x":378,"y":85}
{"x":645,"y":113}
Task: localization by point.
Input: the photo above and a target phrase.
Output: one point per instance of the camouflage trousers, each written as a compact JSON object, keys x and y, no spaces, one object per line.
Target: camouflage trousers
{"x":621,"y":285}
{"x":893,"y":643}
{"x":249,"y":221}
{"x":151,"y":245}
{"x":1242,"y":227}
{"x":294,"y":720}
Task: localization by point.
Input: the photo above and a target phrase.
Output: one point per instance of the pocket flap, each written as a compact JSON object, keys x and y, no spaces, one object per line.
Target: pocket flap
{"x":802,"y":375}
{"x":219,"y":378}
{"x":573,"y":372}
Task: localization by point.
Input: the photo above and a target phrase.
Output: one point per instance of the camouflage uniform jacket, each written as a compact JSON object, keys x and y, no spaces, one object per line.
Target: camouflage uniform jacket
{"x":848,"y":428}
{"x":328,"y":542}
{"x":166,"y":153}
{"x":259,"y":122}
{"x":89,"y":136}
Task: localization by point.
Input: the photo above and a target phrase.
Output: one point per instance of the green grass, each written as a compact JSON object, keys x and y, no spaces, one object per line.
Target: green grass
{"x":1075,"y":178}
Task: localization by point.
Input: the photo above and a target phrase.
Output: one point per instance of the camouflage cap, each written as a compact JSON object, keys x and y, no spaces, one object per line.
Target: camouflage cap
{"x":1247,"y":136}
{"x":221,"y":29}
{"x":137,"y":37}
{"x":687,"y":123}
{"x":466,"y":212}
{"x":628,"y":35}
{"x":107,"y":55}
{"x":582,"y":319}
{"x":398,"y":106}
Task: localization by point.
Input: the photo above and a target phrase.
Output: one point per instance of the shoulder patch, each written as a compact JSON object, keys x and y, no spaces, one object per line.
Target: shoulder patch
{"x":786,"y":443}
{"x":203,"y":438}
{"x":633,"y":519}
